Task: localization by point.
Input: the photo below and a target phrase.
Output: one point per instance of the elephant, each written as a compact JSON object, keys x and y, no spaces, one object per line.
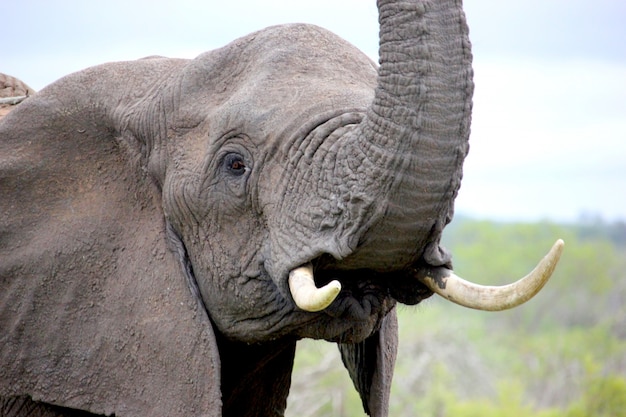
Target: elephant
{"x":170,"y":228}
{"x":12,"y":92}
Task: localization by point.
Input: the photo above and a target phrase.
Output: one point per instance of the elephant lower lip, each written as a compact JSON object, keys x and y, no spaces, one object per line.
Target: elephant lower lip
{"x":356,"y":314}
{"x":366,"y":292}
{"x":360,"y":304}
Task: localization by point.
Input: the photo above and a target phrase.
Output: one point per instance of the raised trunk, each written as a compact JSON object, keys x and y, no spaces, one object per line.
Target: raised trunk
{"x":402,"y":167}
{"x":415,"y":134}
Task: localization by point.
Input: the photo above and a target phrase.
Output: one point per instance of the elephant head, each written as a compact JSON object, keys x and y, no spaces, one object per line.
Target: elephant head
{"x":170,"y":228}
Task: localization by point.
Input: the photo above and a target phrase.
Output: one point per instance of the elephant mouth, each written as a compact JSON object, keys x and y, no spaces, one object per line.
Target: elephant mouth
{"x":365,"y":291}
{"x":358,"y":309}
{"x":357,"y":300}
{"x":354,"y":294}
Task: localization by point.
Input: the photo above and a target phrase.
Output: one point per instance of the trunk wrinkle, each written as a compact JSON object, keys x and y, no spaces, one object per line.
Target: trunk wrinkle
{"x":415,"y":134}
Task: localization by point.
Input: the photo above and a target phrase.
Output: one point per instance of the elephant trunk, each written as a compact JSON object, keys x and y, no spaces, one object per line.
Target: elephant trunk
{"x":402,"y":165}
{"x":415,"y":133}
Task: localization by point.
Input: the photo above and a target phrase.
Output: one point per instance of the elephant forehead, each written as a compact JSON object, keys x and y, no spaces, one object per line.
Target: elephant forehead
{"x":280,"y":75}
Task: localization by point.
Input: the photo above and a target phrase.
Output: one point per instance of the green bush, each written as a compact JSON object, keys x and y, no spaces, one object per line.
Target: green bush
{"x":604,"y":397}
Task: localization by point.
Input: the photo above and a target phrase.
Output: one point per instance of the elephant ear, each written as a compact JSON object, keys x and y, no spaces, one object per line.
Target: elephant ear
{"x":95,"y":311}
{"x":370,"y":364}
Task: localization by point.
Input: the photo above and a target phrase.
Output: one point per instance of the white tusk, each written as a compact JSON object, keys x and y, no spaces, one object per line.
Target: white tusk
{"x":492,"y":298}
{"x":306,"y":295}
{"x":12,"y":100}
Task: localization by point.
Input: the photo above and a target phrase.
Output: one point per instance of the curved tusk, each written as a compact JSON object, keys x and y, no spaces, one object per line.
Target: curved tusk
{"x":491,"y":298}
{"x":306,"y":295}
{"x":12,"y":100}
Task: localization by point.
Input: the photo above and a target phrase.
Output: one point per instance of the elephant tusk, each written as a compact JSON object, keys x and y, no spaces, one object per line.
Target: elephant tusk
{"x":306,"y":295}
{"x":492,"y":298}
{"x":12,"y":100}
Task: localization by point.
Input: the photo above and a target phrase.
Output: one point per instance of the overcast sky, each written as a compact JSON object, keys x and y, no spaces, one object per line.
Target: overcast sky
{"x":549,"y":123}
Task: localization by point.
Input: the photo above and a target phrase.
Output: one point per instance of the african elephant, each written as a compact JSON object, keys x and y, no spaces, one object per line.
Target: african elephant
{"x":170,"y":228}
{"x":12,"y":92}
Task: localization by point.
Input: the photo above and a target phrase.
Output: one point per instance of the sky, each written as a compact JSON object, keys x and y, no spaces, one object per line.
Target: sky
{"x":548,"y":137}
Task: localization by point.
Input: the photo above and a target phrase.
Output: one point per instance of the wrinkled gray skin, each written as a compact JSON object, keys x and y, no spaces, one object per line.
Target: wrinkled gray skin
{"x":152,"y":210}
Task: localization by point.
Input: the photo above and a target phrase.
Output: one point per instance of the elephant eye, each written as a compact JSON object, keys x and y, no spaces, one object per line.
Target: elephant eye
{"x":234,"y":164}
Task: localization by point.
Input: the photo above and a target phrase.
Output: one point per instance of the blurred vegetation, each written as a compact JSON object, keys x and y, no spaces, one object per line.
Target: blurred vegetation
{"x":561,"y":354}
